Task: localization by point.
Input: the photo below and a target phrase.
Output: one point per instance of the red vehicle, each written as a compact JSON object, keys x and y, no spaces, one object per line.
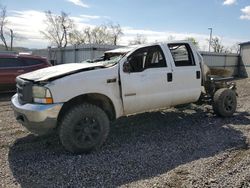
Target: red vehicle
{"x":13,"y":65}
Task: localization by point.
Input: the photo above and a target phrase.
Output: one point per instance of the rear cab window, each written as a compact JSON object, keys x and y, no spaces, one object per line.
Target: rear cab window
{"x":182,"y":54}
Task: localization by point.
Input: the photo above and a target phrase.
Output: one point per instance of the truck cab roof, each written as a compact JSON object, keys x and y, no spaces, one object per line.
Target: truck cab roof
{"x":127,"y":49}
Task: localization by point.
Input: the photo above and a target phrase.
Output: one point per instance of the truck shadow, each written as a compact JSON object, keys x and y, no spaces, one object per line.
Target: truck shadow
{"x":139,"y":147}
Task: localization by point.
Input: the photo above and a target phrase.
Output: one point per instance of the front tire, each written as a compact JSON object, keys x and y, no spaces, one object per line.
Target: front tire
{"x":84,"y":128}
{"x":224,"y":102}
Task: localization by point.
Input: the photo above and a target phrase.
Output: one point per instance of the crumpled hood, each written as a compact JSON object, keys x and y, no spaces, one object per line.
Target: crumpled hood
{"x":58,"y":71}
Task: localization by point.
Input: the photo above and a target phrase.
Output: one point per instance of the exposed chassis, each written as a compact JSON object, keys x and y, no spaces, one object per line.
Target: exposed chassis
{"x":213,"y":84}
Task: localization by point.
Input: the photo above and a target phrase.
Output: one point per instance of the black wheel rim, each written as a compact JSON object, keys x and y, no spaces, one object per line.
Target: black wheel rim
{"x":87,"y":132}
{"x":228,"y":103}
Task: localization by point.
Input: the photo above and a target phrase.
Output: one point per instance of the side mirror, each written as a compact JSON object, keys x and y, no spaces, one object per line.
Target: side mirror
{"x":127,"y":67}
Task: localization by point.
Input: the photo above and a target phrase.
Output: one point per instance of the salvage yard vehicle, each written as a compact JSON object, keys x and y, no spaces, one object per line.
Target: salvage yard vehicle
{"x":13,"y":65}
{"x":78,"y":101}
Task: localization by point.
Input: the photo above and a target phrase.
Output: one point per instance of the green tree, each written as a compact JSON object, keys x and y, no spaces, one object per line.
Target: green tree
{"x":194,"y":41}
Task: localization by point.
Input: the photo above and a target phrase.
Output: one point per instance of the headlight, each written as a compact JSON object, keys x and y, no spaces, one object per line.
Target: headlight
{"x":41,"y":95}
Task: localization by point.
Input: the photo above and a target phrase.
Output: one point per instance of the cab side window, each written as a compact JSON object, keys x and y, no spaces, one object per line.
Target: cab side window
{"x":155,"y":58}
{"x":148,"y":57}
{"x":31,"y":62}
{"x":137,"y":60}
{"x":182,"y":55}
{"x":10,"y":63}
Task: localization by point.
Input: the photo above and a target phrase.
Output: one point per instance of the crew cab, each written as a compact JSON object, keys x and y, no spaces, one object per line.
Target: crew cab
{"x":13,"y":65}
{"x":78,"y":101}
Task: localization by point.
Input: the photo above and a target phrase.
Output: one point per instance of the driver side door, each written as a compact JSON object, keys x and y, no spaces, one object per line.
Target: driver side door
{"x":145,"y":86}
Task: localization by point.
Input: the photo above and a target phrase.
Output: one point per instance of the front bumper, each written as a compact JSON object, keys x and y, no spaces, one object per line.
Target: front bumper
{"x":37,"y":118}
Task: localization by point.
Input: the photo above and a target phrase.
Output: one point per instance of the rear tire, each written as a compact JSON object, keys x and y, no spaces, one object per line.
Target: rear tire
{"x":224,"y":102}
{"x":84,"y":128}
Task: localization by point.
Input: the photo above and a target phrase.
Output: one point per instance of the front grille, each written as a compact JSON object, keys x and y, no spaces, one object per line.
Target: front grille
{"x":24,"y":90}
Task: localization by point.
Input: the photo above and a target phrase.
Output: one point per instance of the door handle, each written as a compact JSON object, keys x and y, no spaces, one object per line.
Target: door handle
{"x":20,"y":71}
{"x":198,"y":74}
{"x":170,"y":77}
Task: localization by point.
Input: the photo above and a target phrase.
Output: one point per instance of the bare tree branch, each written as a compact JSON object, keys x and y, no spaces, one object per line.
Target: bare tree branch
{"x":217,"y":46}
{"x":58,"y":28}
{"x":102,"y":34}
{"x":11,"y":39}
{"x":116,"y":32}
{"x":3,"y":23}
{"x":139,"y":39}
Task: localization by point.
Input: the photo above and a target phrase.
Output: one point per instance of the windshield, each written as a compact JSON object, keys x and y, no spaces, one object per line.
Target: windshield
{"x":109,"y":59}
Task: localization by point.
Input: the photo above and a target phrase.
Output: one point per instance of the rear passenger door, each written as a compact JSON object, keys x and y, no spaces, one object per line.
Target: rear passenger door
{"x":186,"y":73}
{"x":9,"y":69}
{"x":31,"y":64}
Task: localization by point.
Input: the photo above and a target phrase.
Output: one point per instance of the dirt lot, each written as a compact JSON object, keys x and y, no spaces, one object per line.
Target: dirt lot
{"x":188,"y":147}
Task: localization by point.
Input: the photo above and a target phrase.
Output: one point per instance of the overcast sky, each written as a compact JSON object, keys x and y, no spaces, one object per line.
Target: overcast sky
{"x":158,"y":19}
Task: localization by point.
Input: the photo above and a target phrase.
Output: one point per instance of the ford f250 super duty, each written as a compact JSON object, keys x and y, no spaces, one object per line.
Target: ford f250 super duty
{"x":79,"y":100}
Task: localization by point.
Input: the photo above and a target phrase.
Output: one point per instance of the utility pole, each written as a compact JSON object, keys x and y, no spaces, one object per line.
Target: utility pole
{"x":210,"y":39}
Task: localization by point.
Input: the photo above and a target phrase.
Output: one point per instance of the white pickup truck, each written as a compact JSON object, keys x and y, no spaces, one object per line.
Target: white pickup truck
{"x":79,"y":100}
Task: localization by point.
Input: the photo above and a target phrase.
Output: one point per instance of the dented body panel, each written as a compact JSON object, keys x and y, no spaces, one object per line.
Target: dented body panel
{"x":89,"y":82}
{"x":58,"y":71}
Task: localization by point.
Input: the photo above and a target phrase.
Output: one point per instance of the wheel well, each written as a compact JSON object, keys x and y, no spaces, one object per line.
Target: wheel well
{"x":99,"y":100}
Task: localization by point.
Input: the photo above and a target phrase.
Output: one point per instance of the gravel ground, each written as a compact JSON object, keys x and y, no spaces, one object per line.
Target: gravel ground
{"x":188,"y":147}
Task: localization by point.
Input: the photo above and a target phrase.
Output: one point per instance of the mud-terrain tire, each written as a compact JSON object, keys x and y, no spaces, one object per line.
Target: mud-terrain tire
{"x":84,"y":128}
{"x":224,"y":102}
